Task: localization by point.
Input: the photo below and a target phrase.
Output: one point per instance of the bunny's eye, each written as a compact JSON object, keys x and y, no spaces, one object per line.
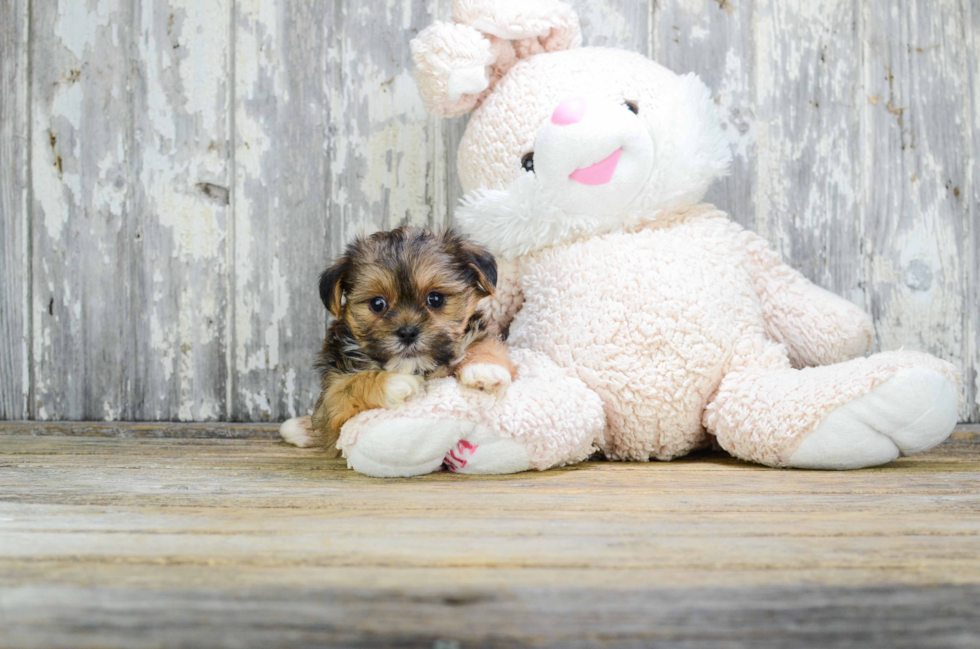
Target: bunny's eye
{"x":633,"y":107}
{"x":528,"y":162}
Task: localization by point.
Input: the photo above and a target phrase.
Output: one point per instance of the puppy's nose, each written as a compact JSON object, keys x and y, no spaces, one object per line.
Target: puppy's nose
{"x":407,"y":334}
{"x":569,"y":111}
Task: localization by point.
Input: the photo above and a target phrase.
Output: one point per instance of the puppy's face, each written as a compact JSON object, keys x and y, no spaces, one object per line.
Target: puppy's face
{"x":408,"y":295}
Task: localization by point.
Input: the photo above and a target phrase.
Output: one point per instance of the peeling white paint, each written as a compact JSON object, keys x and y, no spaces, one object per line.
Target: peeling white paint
{"x":817,"y":169}
{"x":698,"y":34}
{"x":604,"y":21}
{"x":67,"y":104}
{"x":197,"y":232}
{"x":396,"y":151}
{"x":48,"y":188}
{"x":110,"y":193}
{"x":78,"y":28}
{"x":204,"y":30}
{"x":163,"y":345}
{"x":111,"y":413}
{"x":289,"y":392}
{"x":732,"y":95}
{"x":279,"y":289}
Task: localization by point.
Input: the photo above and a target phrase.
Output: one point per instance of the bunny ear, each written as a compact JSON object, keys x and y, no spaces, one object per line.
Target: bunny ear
{"x":456,"y":64}
{"x":534,"y":26}
{"x":452,"y":67}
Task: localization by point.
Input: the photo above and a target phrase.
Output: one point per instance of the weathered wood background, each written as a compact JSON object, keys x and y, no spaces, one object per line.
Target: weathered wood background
{"x":174,"y":173}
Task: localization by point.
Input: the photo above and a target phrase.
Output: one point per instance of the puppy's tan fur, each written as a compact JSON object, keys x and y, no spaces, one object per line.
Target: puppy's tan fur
{"x":363,"y":364}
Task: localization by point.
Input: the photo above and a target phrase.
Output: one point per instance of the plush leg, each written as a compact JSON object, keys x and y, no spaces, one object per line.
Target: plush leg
{"x":861,"y":413}
{"x":546,"y":418}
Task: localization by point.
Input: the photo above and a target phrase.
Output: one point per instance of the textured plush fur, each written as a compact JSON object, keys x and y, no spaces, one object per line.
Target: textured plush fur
{"x":363,"y":362}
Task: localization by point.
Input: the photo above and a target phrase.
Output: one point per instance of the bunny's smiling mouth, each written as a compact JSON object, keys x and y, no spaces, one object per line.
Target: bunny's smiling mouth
{"x":600,"y":173}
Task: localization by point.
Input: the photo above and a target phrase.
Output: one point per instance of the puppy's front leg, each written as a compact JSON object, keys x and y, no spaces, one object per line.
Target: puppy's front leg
{"x":347,"y":395}
{"x":487,"y":367}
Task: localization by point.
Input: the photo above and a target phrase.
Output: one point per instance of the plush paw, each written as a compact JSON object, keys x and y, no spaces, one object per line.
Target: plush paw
{"x":485,"y":377}
{"x":297,"y":431}
{"x":401,"y":387}
{"x":910,"y":413}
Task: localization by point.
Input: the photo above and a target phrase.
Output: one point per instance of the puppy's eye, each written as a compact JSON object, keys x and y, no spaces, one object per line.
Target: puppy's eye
{"x":378,"y":304}
{"x":633,"y":107}
{"x":435,"y":300}
{"x":528,"y":162}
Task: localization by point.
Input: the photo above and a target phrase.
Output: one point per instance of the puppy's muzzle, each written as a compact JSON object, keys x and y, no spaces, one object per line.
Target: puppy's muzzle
{"x":407,"y":335}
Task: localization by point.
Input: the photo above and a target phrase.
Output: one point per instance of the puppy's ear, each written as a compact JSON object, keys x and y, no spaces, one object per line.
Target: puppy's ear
{"x":480,"y":264}
{"x":332,"y":285}
{"x":485,"y":265}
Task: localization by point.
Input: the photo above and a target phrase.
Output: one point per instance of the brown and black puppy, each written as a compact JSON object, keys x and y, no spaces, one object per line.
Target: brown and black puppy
{"x":405,"y":304}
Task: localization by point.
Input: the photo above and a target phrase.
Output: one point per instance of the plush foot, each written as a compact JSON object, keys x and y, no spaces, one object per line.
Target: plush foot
{"x":860,"y":413}
{"x":405,"y":447}
{"x":483,"y":452}
{"x":485,"y":377}
{"x":297,"y":431}
{"x":910,"y":413}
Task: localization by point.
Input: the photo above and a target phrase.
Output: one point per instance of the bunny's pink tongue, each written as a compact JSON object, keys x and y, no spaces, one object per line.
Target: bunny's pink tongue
{"x":600,"y":173}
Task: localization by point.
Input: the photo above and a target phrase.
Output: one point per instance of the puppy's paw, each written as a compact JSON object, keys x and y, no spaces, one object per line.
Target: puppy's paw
{"x":297,"y":431}
{"x":485,"y":377}
{"x":400,"y":387}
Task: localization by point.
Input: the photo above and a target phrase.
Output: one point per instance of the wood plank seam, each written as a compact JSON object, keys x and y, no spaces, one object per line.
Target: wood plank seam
{"x":231,"y":334}
{"x":29,"y":214}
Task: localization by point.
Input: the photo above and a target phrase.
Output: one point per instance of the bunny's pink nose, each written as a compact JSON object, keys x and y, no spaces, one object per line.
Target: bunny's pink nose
{"x":569,"y":111}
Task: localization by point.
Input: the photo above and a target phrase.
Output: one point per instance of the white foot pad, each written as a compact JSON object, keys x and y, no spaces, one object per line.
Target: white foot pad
{"x":482,"y":452}
{"x":404,"y":447}
{"x":910,"y":413}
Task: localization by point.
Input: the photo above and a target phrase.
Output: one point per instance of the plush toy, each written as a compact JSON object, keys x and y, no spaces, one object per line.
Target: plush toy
{"x":645,"y":325}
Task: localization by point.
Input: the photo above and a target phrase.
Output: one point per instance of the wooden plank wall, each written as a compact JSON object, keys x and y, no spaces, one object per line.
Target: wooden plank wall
{"x":174,"y":174}
{"x":15,"y":326}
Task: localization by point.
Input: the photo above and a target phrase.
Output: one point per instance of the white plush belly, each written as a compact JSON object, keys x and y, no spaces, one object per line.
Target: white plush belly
{"x":649,"y":320}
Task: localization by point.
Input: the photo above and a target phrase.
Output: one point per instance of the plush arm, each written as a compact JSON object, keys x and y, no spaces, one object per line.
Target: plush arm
{"x":816,"y":326}
{"x":507,"y":300}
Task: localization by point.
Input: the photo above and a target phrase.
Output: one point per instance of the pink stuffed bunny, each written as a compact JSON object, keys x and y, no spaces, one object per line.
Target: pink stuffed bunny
{"x":644,"y":324}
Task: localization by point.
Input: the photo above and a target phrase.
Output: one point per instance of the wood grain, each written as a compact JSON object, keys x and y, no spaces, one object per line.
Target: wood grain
{"x":917,"y":223}
{"x":716,"y":41}
{"x":282,"y":204}
{"x":179,"y":277}
{"x":451,"y":616}
{"x":130,"y":184}
{"x":809,"y":140}
{"x":124,"y":541}
{"x":83,"y":221}
{"x":385,"y":147}
{"x":15,"y":327}
{"x":173,"y":175}
{"x":972,"y":374}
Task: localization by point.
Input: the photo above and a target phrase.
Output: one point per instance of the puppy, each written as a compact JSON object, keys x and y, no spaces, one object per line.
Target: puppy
{"x":405,"y":304}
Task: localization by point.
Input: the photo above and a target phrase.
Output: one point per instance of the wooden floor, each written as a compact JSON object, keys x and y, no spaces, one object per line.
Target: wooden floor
{"x":221,"y":536}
